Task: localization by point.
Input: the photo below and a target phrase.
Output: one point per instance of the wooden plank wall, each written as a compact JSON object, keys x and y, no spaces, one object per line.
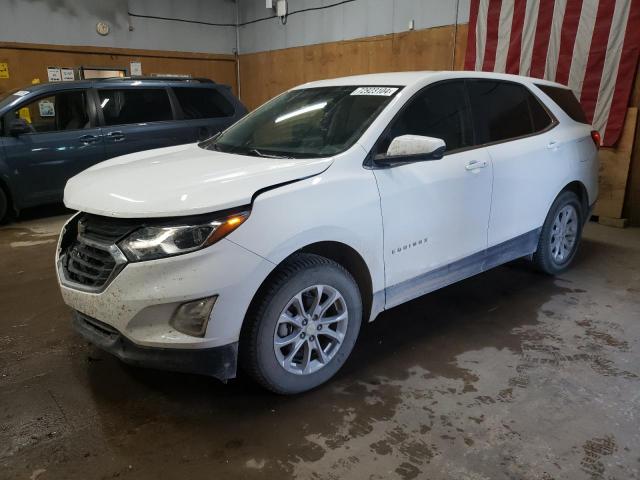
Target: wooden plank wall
{"x":29,"y":61}
{"x":614,"y":171}
{"x":632,"y":199}
{"x":266,"y":74}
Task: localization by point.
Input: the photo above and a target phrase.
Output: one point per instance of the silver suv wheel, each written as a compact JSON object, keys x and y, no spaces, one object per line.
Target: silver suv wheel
{"x":563,"y":233}
{"x":560,"y":234}
{"x":310,"y":329}
{"x":302,"y":326}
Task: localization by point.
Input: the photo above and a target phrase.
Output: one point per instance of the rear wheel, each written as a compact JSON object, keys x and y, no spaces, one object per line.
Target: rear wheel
{"x":560,"y":235}
{"x":303,"y":327}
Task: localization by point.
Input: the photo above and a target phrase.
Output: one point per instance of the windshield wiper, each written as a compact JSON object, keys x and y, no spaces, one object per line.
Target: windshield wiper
{"x":265,"y":155}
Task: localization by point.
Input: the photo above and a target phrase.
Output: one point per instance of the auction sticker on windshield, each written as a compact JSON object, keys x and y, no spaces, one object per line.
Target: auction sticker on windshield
{"x":379,"y":91}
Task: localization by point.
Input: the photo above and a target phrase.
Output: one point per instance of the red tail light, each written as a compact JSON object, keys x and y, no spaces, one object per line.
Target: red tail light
{"x":595,"y":135}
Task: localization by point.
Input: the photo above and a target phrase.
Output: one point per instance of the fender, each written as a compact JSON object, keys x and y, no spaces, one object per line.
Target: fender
{"x":318,"y":209}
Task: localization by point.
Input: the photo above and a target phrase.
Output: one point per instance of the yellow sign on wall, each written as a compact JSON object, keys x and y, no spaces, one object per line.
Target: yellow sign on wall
{"x":4,"y":70}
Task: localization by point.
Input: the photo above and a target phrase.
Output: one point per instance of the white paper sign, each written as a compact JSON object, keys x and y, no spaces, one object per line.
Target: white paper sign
{"x":68,"y":74}
{"x":54,"y":74}
{"x":136,"y":69}
{"x":47,"y":109}
{"x":379,"y":91}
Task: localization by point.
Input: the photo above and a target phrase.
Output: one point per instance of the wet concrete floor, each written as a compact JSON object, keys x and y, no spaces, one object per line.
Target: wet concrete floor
{"x":508,"y":375}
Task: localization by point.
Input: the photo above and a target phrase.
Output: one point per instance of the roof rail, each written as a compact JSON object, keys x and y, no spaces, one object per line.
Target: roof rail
{"x":159,"y":78}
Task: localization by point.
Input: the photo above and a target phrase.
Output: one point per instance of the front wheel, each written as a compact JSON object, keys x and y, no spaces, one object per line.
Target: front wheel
{"x":303,"y":326}
{"x":560,"y":236}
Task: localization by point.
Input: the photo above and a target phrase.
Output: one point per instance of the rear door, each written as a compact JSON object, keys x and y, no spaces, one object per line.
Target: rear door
{"x":64,"y":140}
{"x":204,"y":110}
{"x":435,"y":213}
{"x":136,"y":118}
{"x":530,"y":157}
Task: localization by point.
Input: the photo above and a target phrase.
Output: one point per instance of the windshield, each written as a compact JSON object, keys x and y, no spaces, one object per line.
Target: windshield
{"x":312,"y":122}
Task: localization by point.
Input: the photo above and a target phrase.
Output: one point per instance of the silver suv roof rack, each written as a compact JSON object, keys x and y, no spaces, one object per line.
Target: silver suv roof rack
{"x":162,"y":79}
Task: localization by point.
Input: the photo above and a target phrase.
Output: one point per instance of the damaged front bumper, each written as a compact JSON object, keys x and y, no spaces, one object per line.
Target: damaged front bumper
{"x":219,"y":362}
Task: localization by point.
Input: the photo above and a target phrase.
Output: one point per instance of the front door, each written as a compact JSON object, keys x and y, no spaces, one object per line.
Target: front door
{"x":435,"y":213}
{"x":63,"y":141}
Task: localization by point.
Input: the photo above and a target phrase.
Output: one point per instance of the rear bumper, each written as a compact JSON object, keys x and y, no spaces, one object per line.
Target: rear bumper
{"x":219,"y":362}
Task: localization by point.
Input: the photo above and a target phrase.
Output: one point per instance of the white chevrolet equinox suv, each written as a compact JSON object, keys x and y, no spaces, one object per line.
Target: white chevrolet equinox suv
{"x":268,"y":245}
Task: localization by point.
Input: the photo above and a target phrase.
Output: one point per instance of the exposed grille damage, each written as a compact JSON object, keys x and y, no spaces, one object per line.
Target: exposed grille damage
{"x":89,"y":255}
{"x":89,"y":265}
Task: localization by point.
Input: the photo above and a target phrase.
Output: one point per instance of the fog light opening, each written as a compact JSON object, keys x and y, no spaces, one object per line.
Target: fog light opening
{"x":191,"y":318}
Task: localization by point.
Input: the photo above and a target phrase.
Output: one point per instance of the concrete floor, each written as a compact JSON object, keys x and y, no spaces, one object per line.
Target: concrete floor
{"x":508,"y":375}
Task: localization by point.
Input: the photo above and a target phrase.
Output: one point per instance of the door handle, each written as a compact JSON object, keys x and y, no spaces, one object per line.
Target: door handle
{"x":474,"y":165}
{"x":553,"y":145}
{"x":116,"y":136}
{"x":88,"y":139}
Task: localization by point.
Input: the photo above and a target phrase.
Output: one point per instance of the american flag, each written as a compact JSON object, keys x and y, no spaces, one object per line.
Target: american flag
{"x":590,"y":45}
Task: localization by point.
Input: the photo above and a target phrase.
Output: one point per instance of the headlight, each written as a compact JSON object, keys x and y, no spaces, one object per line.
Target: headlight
{"x":153,"y":242}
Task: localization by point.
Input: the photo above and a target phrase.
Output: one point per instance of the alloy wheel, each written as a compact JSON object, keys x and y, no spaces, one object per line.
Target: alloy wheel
{"x":564,"y":233}
{"x":310,"y":329}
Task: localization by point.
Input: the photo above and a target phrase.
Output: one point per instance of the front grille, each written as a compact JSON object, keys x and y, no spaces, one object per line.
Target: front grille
{"x":89,"y":265}
{"x":90,"y":257}
{"x":106,"y":230}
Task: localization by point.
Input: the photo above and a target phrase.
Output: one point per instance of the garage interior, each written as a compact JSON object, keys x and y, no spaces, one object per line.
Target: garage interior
{"x":509,"y":374}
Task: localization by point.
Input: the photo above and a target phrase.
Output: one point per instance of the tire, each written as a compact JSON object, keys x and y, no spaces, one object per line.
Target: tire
{"x":4,"y":206}
{"x":556,"y":250}
{"x":276,"y":316}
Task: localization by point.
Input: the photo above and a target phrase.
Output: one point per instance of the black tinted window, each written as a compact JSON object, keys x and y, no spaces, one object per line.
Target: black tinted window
{"x":500,"y":110}
{"x":135,"y":105}
{"x":441,"y":111}
{"x":539,"y":115}
{"x":54,"y":113}
{"x":203,"y":103}
{"x":505,"y":110}
{"x":566,"y":100}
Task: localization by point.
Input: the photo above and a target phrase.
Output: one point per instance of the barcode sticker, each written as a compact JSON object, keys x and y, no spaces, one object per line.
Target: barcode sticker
{"x":379,"y":91}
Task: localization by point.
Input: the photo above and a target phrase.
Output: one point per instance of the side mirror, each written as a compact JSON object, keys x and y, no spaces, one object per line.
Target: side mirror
{"x":19,"y":126}
{"x":412,"y":148}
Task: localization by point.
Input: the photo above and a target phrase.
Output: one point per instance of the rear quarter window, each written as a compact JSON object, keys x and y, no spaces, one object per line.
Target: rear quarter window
{"x":203,"y":103}
{"x":567,"y":101}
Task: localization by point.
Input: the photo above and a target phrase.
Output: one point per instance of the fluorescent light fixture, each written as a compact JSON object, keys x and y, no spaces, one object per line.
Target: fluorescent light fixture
{"x":104,"y":102}
{"x":300,"y":111}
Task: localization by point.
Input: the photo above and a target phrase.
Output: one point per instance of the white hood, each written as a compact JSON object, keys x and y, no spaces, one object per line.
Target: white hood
{"x":181,"y":180}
